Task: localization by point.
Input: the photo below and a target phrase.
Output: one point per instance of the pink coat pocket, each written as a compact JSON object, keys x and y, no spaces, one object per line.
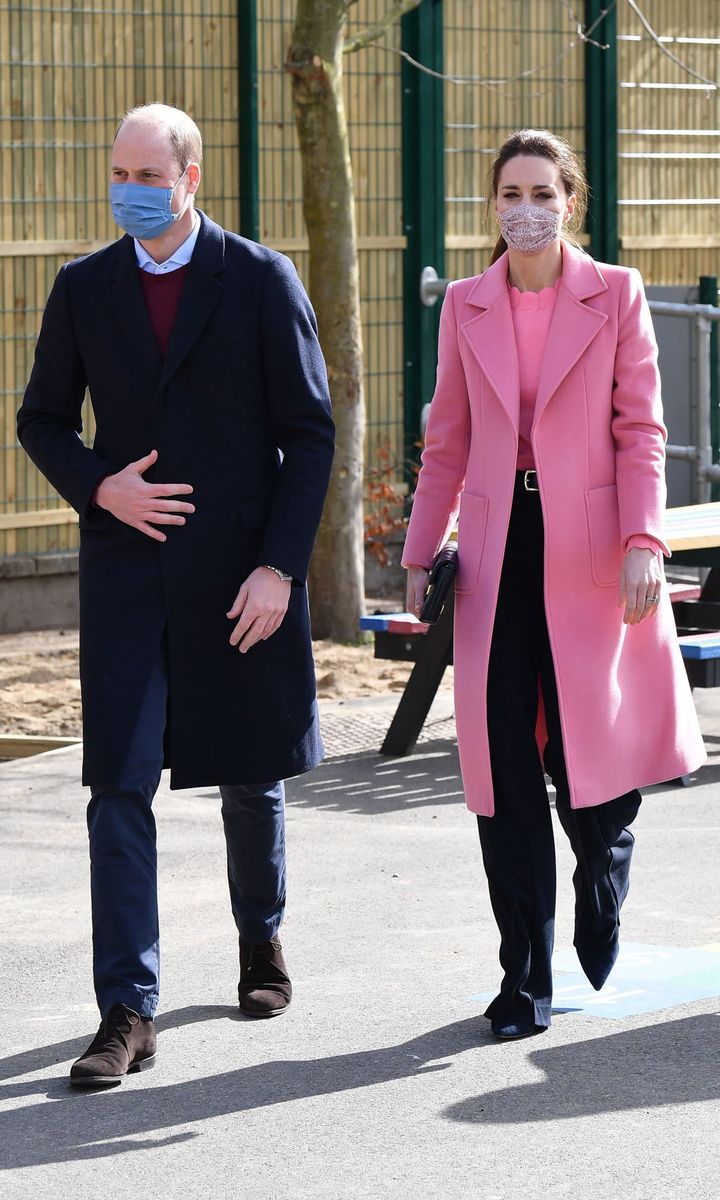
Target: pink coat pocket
{"x":604,"y":532}
{"x":471,"y":540}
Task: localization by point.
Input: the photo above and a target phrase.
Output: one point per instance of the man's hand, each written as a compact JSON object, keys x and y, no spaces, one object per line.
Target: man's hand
{"x":640,"y":578}
{"x":261,"y":605}
{"x":134,"y":502}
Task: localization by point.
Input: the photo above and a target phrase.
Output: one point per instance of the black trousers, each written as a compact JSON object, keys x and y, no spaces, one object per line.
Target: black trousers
{"x":517,"y":842}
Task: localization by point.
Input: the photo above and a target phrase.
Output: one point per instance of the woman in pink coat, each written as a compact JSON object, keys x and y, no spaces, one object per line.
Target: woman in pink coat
{"x":546,"y":437}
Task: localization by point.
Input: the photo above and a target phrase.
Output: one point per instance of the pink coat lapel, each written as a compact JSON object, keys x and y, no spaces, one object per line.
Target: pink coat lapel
{"x":574,"y":326}
{"x":491,"y":336}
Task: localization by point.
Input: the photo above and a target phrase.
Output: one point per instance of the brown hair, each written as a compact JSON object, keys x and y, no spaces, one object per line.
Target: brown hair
{"x":542,"y":144}
{"x":182,"y":132}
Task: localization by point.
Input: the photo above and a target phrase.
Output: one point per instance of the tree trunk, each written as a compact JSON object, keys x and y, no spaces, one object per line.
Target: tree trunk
{"x":315,"y":63}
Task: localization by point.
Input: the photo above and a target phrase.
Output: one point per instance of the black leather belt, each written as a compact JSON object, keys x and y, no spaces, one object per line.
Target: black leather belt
{"x":530,"y":481}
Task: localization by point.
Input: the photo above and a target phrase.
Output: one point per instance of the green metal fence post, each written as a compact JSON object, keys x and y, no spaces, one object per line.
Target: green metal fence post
{"x":423,"y":204}
{"x":601,"y":154}
{"x":708,"y":294}
{"x":248,"y":120}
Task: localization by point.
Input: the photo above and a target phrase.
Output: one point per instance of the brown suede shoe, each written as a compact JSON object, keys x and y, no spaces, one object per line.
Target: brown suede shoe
{"x":265,"y":989}
{"x":124,"y":1043}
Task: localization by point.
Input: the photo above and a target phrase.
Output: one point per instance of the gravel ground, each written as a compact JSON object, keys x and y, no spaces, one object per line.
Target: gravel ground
{"x":41,"y":690}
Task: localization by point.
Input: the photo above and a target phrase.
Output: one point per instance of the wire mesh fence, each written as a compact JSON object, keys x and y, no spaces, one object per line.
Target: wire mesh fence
{"x":373,"y":105}
{"x":67,"y":73}
{"x":669,"y":140}
{"x":526,"y":47}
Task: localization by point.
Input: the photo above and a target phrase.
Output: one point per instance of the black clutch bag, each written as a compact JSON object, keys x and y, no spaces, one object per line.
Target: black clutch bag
{"x":440,"y":583}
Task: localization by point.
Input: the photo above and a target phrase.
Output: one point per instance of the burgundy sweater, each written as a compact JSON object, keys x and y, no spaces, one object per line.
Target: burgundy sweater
{"x":162,"y":296}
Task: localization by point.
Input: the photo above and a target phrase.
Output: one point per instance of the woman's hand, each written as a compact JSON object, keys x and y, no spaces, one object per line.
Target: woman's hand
{"x":417,"y":581}
{"x":640,"y":578}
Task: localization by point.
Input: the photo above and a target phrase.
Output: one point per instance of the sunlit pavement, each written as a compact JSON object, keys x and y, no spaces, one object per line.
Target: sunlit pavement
{"x":383,"y":1080}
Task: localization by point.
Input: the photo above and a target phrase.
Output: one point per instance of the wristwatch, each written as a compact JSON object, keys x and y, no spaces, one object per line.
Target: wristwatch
{"x":280,"y":574}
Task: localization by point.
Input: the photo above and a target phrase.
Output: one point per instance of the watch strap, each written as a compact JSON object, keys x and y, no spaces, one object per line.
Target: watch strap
{"x":280,"y":574}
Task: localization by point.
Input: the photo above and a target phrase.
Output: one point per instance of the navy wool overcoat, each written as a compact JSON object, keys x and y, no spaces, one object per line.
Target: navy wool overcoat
{"x":239,"y":408}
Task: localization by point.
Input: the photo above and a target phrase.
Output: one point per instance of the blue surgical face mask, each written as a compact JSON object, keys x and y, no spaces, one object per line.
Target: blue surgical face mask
{"x":142,"y":211}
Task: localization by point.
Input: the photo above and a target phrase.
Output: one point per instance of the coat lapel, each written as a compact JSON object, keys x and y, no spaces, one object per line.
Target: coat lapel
{"x":128,"y":304}
{"x":201,"y":293}
{"x":574,"y":324}
{"x":491,"y":336}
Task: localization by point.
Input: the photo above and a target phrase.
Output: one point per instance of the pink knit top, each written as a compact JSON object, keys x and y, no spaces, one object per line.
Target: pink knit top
{"x":532,"y":313}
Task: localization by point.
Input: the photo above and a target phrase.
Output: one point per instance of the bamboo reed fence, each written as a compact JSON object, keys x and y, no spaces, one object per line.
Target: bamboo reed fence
{"x":373,"y":105}
{"x":68,"y":73}
{"x":501,"y":41}
{"x":669,"y":141}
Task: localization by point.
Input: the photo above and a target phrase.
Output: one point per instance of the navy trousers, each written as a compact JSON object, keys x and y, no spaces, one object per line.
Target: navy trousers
{"x":517,"y":842}
{"x":123,"y":861}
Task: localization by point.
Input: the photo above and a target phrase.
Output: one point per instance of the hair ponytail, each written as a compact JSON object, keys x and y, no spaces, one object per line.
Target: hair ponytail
{"x":500,"y":248}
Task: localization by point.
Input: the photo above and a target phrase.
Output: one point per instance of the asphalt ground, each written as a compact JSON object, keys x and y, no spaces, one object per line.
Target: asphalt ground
{"x":383,"y":1079}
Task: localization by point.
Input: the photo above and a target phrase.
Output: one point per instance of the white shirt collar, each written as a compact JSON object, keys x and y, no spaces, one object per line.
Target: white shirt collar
{"x":180,"y":258}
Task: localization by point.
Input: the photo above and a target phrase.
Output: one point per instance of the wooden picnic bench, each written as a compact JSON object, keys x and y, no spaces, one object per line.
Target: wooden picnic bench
{"x":401,"y":636}
{"x":701,"y":655}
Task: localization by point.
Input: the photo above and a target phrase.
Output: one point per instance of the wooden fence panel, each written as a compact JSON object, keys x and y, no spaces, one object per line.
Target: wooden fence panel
{"x":66,"y":77}
{"x":669,"y":141}
{"x":373,"y":104}
{"x":500,"y":40}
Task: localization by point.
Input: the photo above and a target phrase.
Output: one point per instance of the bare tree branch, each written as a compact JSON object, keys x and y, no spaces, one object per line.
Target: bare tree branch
{"x":495,"y":84}
{"x":373,"y":33}
{"x":712,"y":84}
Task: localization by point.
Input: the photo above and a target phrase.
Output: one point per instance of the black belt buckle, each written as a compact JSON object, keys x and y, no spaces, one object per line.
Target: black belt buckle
{"x":530,"y":481}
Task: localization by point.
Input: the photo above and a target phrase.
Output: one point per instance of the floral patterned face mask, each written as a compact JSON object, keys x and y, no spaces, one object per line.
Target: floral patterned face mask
{"x":528,"y":228}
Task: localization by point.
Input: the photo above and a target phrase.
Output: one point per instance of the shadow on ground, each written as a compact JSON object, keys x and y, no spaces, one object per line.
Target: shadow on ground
{"x":663,"y":1064}
{"x":370,"y":784}
{"x":671,"y":1063}
{"x":93,"y":1124}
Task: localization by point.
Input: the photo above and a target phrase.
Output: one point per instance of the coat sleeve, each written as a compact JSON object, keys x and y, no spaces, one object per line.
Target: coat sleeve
{"x":447,"y":443}
{"x":637,"y":423}
{"x":298,"y":400}
{"x":49,"y":422}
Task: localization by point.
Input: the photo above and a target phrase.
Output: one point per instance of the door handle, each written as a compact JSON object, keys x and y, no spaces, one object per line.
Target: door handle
{"x":432,"y":287}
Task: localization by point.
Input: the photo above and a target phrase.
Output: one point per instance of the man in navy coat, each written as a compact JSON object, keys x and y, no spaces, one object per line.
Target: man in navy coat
{"x":198,"y":503}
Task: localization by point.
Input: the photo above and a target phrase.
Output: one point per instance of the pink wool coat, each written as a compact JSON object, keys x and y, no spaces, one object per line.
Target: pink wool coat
{"x":598,"y":440}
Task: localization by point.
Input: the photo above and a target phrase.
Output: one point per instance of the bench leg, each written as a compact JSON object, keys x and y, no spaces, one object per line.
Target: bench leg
{"x":421,"y":687}
{"x":711,"y":587}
